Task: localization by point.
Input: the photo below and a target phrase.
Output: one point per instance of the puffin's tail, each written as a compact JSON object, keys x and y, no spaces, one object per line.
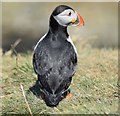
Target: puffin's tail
{"x":52,"y":99}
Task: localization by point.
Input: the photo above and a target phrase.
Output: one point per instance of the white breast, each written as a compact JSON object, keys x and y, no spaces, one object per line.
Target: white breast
{"x":39,"y":41}
{"x":70,"y":40}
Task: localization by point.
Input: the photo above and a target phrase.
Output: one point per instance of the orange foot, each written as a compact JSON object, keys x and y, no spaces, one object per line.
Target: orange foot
{"x":69,"y":95}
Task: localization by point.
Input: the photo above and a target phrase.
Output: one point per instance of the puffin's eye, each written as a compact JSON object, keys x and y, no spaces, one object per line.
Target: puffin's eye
{"x":69,"y":14}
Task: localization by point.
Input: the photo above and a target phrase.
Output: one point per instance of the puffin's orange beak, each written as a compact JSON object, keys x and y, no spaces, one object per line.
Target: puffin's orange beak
{"x":81,"y":21}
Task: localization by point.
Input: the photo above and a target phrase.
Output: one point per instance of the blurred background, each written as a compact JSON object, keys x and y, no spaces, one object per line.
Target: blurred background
{"x":28,"y":22}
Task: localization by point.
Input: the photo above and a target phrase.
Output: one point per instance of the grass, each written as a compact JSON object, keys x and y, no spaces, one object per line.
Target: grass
{"x":94,"y":85}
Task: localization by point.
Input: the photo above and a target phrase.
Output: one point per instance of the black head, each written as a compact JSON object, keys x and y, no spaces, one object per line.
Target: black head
{"x":59,"y":9}
{"x":64,"y":15}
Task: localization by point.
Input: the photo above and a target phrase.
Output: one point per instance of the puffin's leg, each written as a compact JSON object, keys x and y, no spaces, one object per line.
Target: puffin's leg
{"x":67,"y":93}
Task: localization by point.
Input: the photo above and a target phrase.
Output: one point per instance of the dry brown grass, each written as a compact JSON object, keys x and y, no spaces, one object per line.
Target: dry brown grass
{"x":94,"y":86}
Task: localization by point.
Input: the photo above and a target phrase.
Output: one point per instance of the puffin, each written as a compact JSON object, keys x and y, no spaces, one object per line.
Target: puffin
{"x":55,"y":56}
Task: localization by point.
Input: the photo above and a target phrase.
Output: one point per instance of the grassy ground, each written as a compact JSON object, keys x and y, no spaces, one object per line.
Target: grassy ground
{"x":94,"y":86}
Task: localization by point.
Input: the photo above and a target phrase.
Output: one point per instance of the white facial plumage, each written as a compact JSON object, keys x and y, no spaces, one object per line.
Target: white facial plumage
{"x":64,"y":18}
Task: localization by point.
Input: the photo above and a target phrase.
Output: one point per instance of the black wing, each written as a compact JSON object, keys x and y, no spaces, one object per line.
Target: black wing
{"x":54,"y":66}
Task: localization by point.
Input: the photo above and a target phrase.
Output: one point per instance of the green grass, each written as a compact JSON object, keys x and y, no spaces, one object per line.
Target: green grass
{"x":94,"y":85}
